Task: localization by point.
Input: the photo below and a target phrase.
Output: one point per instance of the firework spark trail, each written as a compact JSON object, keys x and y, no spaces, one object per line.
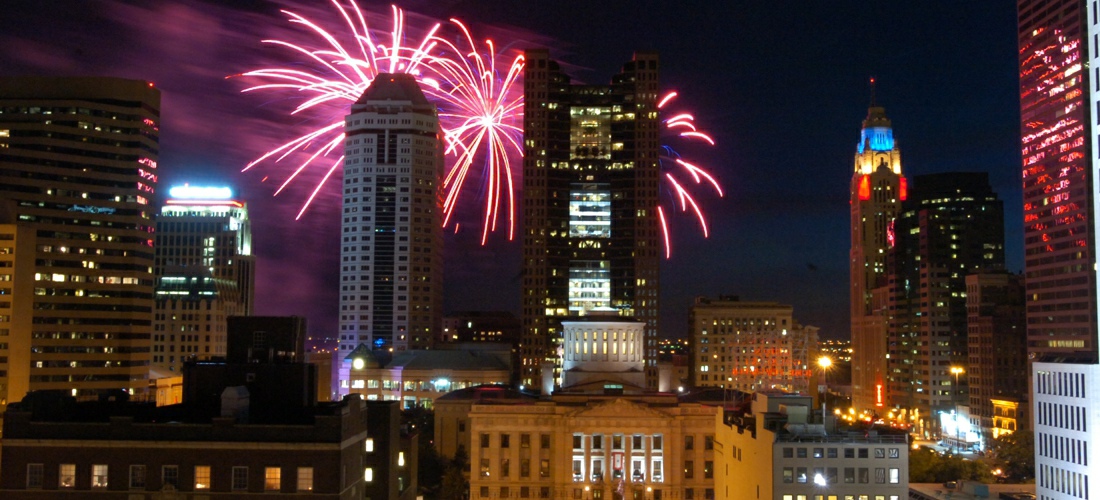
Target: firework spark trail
{"x":682,"y":125}
{"x":482,"y":110}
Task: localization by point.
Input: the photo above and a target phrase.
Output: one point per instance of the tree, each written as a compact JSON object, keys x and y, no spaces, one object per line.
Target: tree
{"x":928,"y":466}
{"x":1015,"y":455}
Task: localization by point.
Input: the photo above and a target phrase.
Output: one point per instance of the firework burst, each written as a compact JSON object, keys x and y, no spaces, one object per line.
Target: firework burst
{"x":480,"y":110}
{"x":677,"y":171}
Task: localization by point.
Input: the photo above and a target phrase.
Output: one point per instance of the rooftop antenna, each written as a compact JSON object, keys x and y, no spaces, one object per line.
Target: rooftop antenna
{"x":872,"y":91}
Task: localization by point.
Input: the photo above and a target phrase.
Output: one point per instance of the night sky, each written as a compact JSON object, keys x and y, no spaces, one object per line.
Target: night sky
{"x":782,"y":85}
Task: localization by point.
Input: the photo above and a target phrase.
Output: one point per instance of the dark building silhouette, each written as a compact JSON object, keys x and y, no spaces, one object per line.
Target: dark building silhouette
{"x":997,"y":345}
{"x":590,"y":228}
{"x":951,"y":226}
{"x":250,"y":425}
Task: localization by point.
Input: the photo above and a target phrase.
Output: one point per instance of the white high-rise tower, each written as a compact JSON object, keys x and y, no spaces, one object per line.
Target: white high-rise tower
{"x":391,"y":253}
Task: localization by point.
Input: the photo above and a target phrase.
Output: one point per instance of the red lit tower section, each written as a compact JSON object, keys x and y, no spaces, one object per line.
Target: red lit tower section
{"x":877,"y":191}
{"x":1059,"y":236}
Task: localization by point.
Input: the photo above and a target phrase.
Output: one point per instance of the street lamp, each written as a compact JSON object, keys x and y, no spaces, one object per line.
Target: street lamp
{"x":956,"y":371}
{"x":824,"y":362}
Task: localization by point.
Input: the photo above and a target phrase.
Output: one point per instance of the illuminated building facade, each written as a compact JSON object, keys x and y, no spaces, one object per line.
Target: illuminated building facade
{"x":205,"y":273}
{"x":750,"y":346}
{"x":417,"y":377}
{"x":601,"y":435}
{"x":1059,"y":145}
{"x":16,"y":302}
{"x":877,"y":190}
{"x":590,"y":229}
{"x":775,"y":446}
{"x":391,"y":273}
{"x":78,"y":160}
{"x":951,"y":225}
{"x":997,"y":345}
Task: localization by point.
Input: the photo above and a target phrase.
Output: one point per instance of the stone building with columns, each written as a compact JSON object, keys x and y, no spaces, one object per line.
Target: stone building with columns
{"x":600,"y":436}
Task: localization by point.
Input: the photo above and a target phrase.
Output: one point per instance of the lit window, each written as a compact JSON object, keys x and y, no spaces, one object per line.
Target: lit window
{"x":66,"y":476}
{"x":99,"y":476}
{"x":305,"y":478}
{"x":272,"y":478}
{"x":368,"y":475}
{"x":202,"y":477}
{"x":369,"y":446}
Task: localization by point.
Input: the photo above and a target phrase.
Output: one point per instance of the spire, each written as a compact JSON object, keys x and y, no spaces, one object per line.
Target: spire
{"x":872,"y":92}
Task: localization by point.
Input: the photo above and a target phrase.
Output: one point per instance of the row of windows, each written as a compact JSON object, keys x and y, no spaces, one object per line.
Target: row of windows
{"x":823,"y":476}
{"x":169,"y":474}
{"x":1062,"y":416}
{"x":789,"y":452}
{"x":1060,"y":384}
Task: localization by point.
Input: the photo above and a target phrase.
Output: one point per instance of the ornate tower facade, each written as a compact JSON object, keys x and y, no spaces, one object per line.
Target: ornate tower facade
{"x":877,"y":190}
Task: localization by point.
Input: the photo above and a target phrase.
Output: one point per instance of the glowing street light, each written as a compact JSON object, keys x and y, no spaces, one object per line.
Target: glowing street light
{"x":824,"y":362}
{"x":956,"y":371}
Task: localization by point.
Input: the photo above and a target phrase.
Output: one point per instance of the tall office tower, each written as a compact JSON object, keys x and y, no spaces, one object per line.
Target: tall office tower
{"x":951,"y":225}
{"x":590,"y":230}
{"x":877,"y":191}
{"x":205,"y":273}
{"x":78,"y":160}
{"x":391,"y":269}
{"x":1059,"y":146}
{"x":750,"y":346}
{"x":997,"y":344}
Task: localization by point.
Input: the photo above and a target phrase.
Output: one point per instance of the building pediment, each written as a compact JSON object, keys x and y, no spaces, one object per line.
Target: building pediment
{"x":617,"y":408}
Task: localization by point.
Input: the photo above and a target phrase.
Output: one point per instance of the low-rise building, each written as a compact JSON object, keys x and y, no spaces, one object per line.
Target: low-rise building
{"x":57,"y":448}
{"x":417,"y":377}
{"x":773,"y":446}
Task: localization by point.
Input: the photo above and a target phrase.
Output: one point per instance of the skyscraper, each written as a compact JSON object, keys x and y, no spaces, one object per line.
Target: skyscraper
{"x":391,"y":259}
{"x":205,"y":273}
{"x":951,"y":226}
{"x":78,"y":160}
{"x":590,"y":180}
{"x":1059,"y":147}
{"x":877,"y":190}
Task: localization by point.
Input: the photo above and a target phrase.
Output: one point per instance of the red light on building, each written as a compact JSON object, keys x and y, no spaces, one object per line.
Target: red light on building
{"x":878,"y":395}
{"x":865,"y":188}
{"x":903,"y":188}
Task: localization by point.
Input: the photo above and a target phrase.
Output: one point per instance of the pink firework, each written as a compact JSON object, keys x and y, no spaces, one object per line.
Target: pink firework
{"x":482,"y":109}
{"x":336,"y":75}
{"x":680,"y":173}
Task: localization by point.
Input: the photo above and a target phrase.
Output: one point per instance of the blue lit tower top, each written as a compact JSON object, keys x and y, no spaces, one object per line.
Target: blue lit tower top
{"x":876,"y":134}
{"x":876,"y":146}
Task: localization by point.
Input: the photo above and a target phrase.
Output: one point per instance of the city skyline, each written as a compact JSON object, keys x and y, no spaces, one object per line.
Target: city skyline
{"x":766,"y":83}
